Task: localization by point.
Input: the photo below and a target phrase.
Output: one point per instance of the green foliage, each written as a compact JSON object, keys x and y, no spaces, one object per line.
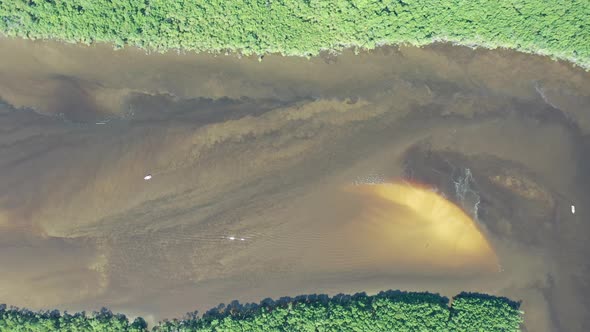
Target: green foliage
{"x":23,"y":320}
{"x":478,"y":312}
{"x":559,"y":28}
{"x":387,"y":311}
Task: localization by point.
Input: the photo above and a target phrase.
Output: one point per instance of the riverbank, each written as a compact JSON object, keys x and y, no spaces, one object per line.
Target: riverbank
{"x":239,"y":148}
{"x":389,"y":310}
{"x":560,"y":30}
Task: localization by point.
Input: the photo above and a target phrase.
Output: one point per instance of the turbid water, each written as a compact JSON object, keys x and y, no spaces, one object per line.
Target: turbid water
{"x":437,"y":169}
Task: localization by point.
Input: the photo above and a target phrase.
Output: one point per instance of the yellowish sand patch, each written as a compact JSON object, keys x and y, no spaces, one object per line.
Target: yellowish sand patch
{"x":416,"y":227}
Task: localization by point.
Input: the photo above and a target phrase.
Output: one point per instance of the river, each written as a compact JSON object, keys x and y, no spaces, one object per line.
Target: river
{"x":266,"y":176}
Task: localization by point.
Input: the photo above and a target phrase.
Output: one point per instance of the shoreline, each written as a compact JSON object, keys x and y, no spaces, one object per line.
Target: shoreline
{"x":307,"y":28}
{"x":575,"y":62}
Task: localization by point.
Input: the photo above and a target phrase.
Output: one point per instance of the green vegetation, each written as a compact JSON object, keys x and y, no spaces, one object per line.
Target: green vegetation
{"x":386,"y":311}
{"x":479,"y":312}
{"x":559,"y":28}
{"x":23,"y":320}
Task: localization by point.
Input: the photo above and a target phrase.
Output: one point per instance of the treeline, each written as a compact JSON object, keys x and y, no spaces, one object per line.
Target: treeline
{"x":559,"y":28}
{"x":22,"y":320}
{"x":386,"y":311}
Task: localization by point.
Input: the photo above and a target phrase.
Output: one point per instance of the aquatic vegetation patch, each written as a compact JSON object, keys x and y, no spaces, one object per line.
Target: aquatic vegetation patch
{"x":557,"y":28}
{"x":386,"y":311}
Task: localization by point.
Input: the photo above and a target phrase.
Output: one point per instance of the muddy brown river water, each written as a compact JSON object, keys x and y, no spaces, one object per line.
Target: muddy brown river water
{"x":436,"y":169}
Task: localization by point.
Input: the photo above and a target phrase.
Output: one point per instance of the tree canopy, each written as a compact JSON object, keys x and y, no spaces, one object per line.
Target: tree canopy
{"x":558,"y":28}
{"x":386,"y":311}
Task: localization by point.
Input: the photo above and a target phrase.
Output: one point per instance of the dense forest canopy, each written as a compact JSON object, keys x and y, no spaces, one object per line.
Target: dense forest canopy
{"x":386,"y":311}
{"x":558,"y":28}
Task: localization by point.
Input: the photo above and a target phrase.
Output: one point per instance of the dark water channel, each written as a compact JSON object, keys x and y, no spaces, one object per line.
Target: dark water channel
{"x":250,"y":162}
